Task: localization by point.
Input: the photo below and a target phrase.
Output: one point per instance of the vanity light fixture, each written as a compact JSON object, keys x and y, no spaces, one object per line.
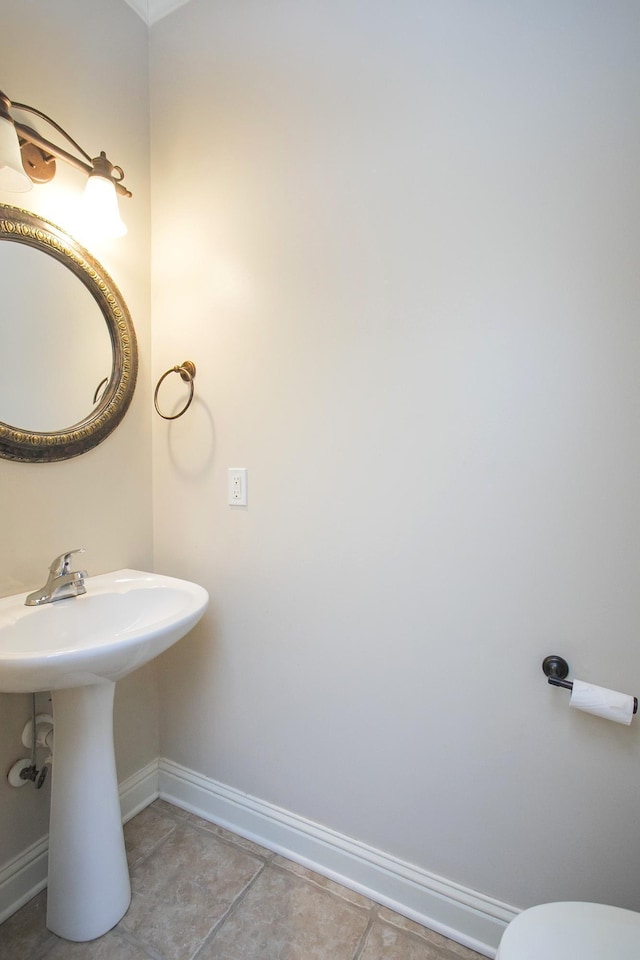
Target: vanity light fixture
{"x":27,"y":158}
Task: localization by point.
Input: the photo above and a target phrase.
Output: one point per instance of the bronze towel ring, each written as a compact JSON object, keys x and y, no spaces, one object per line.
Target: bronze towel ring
{"x":187,"y":371}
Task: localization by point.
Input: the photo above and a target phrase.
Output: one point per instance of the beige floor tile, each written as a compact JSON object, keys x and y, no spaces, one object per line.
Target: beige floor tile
{"x":436,"y":939}
{"x":184,"y":888}
{"x":162,"y":806}
{"x":228,"y":837}
{"x":285,"y":918}
{"x":390,"y":943}
{"x":24,"y":936}
{"x":144,"y":832}
{"x":218,"y":831}
{"x":336,"y":888}
{"x":111,"y":946}
{"x":189,"y":875}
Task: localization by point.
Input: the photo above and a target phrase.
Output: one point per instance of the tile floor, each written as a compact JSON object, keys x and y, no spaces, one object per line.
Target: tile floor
{"x":202,"y":893}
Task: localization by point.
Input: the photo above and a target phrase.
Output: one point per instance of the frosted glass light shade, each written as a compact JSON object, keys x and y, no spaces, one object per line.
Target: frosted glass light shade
{"x":100,"y":208}
{"x":12,"y":175}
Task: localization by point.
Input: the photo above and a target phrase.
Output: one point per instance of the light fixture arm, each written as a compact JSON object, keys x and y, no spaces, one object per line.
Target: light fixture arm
{"x":48,"y":149}
{"x":25,"y":108}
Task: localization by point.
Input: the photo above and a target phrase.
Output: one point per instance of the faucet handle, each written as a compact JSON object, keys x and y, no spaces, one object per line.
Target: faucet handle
{"x":62,"y":564}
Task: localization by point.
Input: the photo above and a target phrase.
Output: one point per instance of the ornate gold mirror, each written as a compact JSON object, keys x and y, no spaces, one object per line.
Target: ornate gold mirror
{"x":69,"y":354}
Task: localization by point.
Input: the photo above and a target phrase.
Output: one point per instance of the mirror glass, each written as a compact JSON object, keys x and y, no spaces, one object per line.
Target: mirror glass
{"x":59,"y":348}
{"x":67,"y":343}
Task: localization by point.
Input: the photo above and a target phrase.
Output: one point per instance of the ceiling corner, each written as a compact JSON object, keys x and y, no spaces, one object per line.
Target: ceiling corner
{"x":141,"y":7}
{"x":153,"y":10}
{"x":160,"y":8}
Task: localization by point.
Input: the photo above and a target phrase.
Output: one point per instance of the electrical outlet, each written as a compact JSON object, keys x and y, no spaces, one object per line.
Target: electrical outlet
{"x":237,"y":486}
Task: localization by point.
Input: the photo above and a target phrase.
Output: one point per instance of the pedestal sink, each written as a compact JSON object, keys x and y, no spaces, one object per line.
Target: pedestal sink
{"x":78,"y":648}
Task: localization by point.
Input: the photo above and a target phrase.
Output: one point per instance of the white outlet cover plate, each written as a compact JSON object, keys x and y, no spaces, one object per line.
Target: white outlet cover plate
{"x":237,"y":486}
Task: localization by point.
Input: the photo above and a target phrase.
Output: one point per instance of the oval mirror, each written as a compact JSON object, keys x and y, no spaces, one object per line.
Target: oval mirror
{"x":69,"y":348}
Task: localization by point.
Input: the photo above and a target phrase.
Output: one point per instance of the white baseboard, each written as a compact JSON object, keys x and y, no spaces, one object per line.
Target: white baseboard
{"x":23,"y":877}
{"x":139,"y":790}
{"x":463,"y":915}
{"x":26,"y":875}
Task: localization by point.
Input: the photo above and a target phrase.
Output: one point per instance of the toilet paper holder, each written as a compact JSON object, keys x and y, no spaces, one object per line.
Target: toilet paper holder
{"x":556,"y":669}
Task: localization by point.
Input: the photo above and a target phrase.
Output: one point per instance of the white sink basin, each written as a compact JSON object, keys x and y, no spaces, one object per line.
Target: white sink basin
{"x":77,"y":648}
{"x":125,"y":619}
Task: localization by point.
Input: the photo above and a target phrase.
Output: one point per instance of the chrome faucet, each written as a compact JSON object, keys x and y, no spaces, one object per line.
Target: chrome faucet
{"x":63,"y":582}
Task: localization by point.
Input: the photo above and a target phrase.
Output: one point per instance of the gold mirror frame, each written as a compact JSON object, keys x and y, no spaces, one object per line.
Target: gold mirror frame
{"x":21,"y":226}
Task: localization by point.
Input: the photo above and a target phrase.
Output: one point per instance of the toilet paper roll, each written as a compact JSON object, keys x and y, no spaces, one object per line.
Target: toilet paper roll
{"x":602,"y":702}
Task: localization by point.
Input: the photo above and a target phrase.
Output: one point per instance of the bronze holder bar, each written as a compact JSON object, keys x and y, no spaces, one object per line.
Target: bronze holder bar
{"x":187,"y":371}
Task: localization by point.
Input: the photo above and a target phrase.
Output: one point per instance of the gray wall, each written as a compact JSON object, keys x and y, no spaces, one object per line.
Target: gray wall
{"x":400,"y":242}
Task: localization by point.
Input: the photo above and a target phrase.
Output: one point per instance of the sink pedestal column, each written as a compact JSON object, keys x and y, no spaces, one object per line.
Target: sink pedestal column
{"x":89,"y":889}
